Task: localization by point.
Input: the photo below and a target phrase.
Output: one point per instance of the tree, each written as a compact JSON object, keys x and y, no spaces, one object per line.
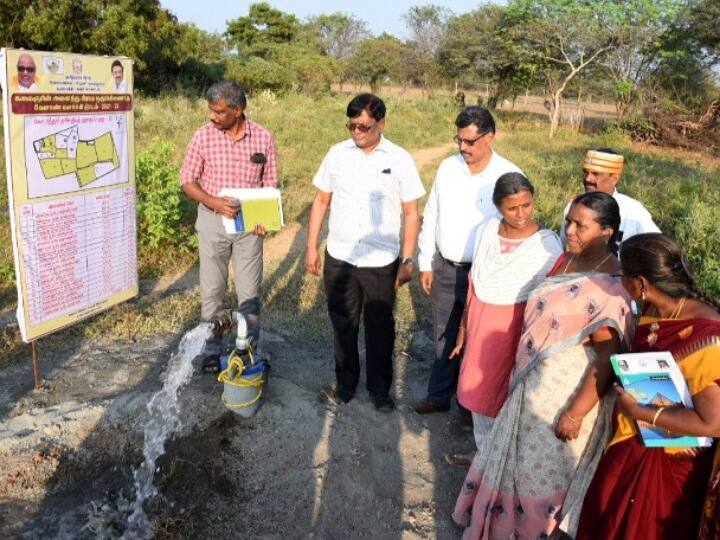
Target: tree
{"x":276,"y":52}
{"x":561,"y":38}
{"x":377,"y":59}
{"x":427,"y":25}
{"x":639,"y":44}
{"x":140,"y":29}
{"x":264,"y":25}
{"x":683,"y":74}
{"x":339,"y":33}
{"x":477,"y":47}
{"x":11,"y":16}
{"x":704,"y":20}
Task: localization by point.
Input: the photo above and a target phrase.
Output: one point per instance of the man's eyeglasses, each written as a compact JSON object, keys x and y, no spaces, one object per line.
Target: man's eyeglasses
{"x":26,"y":69}
{"x":468,"y":142}
{"x":362,"y":128}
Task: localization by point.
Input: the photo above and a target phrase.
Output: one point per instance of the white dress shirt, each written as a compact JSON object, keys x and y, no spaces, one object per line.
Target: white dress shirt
{"x":32,"y":88}
{"x":367,"y":195}
{"x":634,"y":218}
{"x":458,"y":202}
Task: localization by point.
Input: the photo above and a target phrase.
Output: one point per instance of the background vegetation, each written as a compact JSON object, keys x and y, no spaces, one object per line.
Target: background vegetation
{"x":632,"y":52}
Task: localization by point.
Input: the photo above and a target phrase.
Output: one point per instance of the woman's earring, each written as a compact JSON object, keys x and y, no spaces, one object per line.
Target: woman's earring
{"x":642,"y":291}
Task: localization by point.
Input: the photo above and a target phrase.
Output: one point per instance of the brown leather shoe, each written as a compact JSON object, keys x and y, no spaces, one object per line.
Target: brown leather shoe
{"x":427,"y":407}
{"x":457,"y":459}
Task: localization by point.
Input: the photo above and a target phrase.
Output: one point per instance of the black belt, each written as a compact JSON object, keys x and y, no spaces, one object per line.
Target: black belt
{"x":463,"y":265}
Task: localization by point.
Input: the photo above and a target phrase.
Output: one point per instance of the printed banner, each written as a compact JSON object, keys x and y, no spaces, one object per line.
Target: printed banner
{"x":71,"y":182}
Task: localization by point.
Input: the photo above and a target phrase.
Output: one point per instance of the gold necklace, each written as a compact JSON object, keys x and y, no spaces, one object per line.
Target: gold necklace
{"x":654,"y":327}
{"x":676,"y":312}
{"x":572,"y":258}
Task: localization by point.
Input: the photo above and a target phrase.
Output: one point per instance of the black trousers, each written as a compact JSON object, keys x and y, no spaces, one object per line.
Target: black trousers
{"x":351,"y":290}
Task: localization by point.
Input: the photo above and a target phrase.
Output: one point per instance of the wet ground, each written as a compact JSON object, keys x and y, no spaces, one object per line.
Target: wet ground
{"x":301,"y":467}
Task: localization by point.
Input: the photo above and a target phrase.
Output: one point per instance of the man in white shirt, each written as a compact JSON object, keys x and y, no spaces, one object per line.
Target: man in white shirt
{"x":26,"y":76}
{"x":602,"y":169}
{"x":118,"y":84}
{"x":368,"y":183}
{"x":460,"y":199}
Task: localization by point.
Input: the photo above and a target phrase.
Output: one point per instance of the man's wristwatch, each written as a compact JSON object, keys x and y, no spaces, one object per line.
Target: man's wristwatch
{"x":406,"y":260}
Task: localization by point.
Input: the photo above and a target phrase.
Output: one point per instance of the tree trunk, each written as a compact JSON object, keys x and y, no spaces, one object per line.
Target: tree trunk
{"x":555,"y":113}
{"x":621,"y":107}
{"x":557,"y":95}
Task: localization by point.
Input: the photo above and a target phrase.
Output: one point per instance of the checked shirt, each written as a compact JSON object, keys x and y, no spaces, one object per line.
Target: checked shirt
{"x":217,"y":161}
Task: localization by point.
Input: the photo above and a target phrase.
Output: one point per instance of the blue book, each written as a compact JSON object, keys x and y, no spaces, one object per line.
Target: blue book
{"x":239,"y":222}
{"x":654,"y":379}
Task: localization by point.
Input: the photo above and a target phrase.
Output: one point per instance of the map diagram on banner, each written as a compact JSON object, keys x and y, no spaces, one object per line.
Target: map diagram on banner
{"x":65,"y":153}
{"x":70,"y":153}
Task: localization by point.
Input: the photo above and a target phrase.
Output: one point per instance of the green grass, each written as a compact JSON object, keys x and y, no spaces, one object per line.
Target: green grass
{"x":682,"y":194}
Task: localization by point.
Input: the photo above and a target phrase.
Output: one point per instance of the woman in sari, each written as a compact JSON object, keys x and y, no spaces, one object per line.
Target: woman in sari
{"x":659,"y":493}
{"x":511,"y":257}
{"x":521,"y":475}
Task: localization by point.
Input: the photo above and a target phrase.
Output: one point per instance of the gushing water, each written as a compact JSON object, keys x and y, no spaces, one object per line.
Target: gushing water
{"x":163,"y":420}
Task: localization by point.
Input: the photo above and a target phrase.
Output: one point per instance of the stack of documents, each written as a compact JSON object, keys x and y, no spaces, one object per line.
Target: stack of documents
{"x":257,"y":206}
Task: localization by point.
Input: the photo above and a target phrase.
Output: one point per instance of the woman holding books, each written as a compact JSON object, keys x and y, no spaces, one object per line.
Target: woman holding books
{"x":551,"y":426}
{"x":663,"y":493}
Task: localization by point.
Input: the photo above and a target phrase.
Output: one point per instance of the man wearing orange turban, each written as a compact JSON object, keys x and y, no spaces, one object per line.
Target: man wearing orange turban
{"x":602,"y":169}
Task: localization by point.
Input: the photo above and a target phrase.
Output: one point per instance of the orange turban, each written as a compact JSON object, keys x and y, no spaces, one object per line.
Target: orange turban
{"x":602,"y":162}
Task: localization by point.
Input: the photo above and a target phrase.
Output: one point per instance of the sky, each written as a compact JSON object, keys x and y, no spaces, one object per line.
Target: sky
{"x":381,"y":15}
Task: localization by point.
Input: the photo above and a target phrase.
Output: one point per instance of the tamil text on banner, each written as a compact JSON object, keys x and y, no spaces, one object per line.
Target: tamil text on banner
{"x":71,"y":184}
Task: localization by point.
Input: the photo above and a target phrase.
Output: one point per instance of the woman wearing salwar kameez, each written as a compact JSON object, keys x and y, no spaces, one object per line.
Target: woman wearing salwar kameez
{"x":511,"y":258}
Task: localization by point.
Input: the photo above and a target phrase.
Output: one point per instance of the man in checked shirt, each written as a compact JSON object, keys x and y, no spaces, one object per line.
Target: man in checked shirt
{"x":231,"y":151}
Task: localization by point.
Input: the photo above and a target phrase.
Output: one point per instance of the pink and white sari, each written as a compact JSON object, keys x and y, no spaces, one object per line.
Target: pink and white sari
{"x":523,"y":479}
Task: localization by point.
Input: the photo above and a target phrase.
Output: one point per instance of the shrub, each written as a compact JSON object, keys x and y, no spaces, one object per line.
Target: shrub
{"x":283,"y":68}
{"x":697,"y":232}
{"x":7,"y":271}
{"x":639,"y":129}
{"x":159,"y":198}
{"x":257,"y":74}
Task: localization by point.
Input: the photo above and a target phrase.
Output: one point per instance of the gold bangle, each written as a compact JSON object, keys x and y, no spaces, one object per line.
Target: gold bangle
{"x":576,"y":422}
{"x":657,"y":413}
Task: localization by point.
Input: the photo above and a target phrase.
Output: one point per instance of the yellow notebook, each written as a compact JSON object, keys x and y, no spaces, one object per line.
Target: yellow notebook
{"x":265,"y":211}
{"x":257,"y":205}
